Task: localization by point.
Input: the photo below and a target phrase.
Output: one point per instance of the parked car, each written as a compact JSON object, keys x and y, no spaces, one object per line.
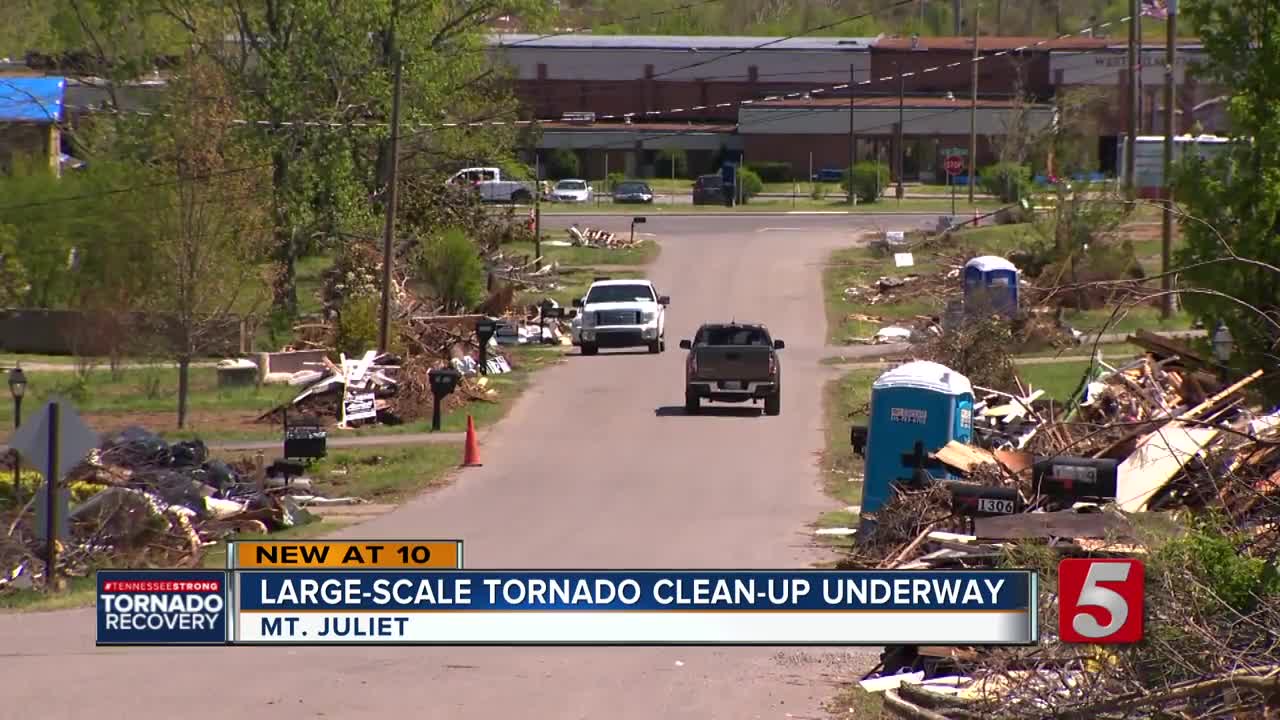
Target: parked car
{"x":491,"y":185}
{"x":733,"y":362}
{"x":710,"y":190}
{"x":576,"y":191}
{"x":633,"y":191}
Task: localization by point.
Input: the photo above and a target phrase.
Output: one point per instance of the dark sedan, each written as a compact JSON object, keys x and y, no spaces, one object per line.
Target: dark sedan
{"x":633,"y":192}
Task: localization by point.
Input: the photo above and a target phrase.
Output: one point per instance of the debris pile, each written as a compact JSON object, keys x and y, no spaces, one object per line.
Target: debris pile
{"x":160,"y":505}
{"x":1145,"y":444}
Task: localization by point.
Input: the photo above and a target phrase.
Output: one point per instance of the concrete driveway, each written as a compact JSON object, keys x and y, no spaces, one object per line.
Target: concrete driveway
{"x":596,"y":467}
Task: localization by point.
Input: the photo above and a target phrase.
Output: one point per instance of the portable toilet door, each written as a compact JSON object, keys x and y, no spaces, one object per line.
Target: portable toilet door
{"x":916,"y":408}
{"x":991,"y":282}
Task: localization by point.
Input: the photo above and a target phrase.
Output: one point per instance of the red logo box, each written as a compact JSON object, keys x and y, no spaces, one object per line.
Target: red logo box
{"x":1100,"y":601}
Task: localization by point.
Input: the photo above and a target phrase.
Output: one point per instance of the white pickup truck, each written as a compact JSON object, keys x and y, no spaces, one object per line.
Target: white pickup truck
{"x":492,"y":187}
{"x":622,"y":314}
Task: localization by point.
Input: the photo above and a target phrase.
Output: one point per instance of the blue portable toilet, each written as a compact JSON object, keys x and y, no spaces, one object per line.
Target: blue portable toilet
{"x":916,"y":408}
{"x":996,"y":279}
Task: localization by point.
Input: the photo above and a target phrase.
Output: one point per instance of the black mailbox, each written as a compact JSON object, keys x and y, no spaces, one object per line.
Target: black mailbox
{"x":305,"y":438}
{"x":443,"y":381}
{"x":633,"y":226}
{"x":1075,"y":478}
{"x":972,"y":500}
{"x":485,"y":330}
{"x":858,"y":439}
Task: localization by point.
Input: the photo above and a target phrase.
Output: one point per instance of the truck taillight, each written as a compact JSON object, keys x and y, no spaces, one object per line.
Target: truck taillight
{"x":773,"y":365}
{"x":693,"y":364}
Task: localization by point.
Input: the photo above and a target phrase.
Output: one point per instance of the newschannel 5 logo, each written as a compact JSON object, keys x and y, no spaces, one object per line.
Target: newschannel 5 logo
{"x":162,"y":607}
{"x":1100,"y":601}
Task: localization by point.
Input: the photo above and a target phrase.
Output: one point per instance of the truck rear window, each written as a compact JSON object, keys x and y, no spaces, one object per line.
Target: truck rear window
{"x":731,"y":336}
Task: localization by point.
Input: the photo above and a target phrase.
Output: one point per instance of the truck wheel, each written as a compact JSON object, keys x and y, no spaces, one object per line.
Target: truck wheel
{"x":773,"y":404}
{"x":655,"y":347}
{"x":521,"y":196}
{"x":692,"y":403}
{"x":589,"y":348}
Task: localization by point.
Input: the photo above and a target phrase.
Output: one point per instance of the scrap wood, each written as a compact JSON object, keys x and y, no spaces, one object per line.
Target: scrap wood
{"x":1157,"y":459}
{"x":1167,"y":347}
{"x":963,"y":457}
{"x":1055,"y":524}
{"x":1220,"y":396}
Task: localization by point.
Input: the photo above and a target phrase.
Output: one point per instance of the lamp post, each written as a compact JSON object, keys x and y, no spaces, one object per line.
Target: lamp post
{"x":1223,"y":344}
{"x":17,"y":388}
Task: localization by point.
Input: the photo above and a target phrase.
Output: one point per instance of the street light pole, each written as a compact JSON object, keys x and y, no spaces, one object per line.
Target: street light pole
{"x":17,"y":388}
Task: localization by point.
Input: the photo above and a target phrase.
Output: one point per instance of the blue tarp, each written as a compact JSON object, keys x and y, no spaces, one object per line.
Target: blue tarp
{"x":31,"y":99}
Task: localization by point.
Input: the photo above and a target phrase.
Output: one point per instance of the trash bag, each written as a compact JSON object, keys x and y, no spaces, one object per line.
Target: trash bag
{"x":178,"y":488}
{"x":143,"y":445}
{"x":219,"y":475}
{"x":188,"y":454}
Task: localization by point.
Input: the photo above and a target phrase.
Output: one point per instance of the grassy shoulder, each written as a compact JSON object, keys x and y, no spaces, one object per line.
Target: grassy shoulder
{"x":843,"y":400}
{"x":379,"y":475}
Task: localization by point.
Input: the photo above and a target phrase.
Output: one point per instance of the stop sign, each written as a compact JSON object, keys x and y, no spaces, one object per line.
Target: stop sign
{"x":954,"y":164}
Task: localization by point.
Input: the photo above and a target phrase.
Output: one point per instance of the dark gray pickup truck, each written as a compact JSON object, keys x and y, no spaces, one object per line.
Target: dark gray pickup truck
{"x":733,"y":362}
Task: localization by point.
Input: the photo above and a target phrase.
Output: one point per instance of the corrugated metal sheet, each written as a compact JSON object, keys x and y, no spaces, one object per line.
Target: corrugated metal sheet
{"x":31,"y":99}
{"x":680,"y":42}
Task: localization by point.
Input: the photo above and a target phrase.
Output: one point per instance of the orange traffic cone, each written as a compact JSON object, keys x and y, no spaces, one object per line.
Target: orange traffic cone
{"x":472,"y":456}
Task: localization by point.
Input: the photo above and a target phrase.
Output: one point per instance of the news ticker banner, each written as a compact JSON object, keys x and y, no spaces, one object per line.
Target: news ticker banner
{"x":396,"y":593}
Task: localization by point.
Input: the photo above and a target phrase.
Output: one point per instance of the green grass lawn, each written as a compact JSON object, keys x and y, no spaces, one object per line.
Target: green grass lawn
{"x":1129,"y":320}
{"x":142,"y":391}
{"x":842,"y":469}
{"x":1058,"y":380}
{"x":645,"y":253}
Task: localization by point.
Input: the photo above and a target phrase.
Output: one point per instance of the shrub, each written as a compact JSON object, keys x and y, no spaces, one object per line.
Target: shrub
{"x":772,"y":172}
{"x":451,"y":265}
{"x":668,"y":158}
{"x":356,"y":331}
{"x":614,"y":180}
{"x":1008,"y":181}
{"x":819,"y":191}
{"x":562,"y":163}
{"x":751,"y":184}
{"x":869,"y":180}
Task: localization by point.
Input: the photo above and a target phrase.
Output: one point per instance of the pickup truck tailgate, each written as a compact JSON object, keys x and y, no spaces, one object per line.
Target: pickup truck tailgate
{"x":733,"y":362}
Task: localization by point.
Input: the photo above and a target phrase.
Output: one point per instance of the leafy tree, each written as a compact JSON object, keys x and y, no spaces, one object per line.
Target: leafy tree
{"x":1233,"y":202}
{"x":868,"y":179}
{"x":750,"y":183}
{"x":562,"y":163}
{"x":451,"y":265}
{"x":209,"y":226}
{"x":13,"y":276}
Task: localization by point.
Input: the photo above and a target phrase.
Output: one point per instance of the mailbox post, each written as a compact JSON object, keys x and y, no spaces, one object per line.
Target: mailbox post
{"x":547,"y":310}
{"x":443,"y":382}
{"x":635,"y":220}
{"x":485,"y":330}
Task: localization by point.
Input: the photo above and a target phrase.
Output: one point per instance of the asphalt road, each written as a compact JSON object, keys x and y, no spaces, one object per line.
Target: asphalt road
{"x":595,"y":467}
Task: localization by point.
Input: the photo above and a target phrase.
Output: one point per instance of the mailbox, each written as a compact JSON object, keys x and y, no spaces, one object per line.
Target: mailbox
{"x":634,"y":221}
{"x":1075,"y":478}
{"x":443,"y":381}
{"x":485,"y":330}
{"x":305,"y":438}
{"x":972,"y":500}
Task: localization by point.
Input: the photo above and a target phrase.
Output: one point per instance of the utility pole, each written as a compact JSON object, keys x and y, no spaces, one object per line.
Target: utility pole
{"x":973,"y":106}
{"x":537,"y":209}
{"x":853,"y":139}
{"x":1170,"y":129}
{"x":902,"y":91}
{"x":1132,"y":129}
{"x":389,"y":225}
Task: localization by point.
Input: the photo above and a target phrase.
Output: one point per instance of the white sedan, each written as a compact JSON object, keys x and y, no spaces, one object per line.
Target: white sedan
{"x":575,"y":191}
